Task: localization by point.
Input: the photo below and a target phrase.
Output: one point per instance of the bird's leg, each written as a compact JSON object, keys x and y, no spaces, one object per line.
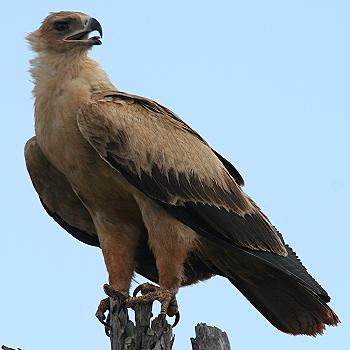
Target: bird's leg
{"x":171,"y":242}
{"x":119,"y":253}
{"x":170,"y":267}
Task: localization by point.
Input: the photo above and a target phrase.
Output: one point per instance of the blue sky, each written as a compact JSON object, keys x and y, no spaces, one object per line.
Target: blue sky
{"x":265,"y":82}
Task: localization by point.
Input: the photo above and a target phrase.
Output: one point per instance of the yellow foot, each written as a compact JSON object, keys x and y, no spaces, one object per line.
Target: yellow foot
{"x":151,"y":293}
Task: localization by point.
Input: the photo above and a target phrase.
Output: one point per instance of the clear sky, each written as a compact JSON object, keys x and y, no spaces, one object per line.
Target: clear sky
{"x":265,"y":82}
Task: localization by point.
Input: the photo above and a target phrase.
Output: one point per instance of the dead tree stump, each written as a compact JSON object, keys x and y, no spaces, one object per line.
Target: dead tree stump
{"x":210,"y":338}
{"x":153,"y":335}
{"x":156,"y":334}
{"x":144,"y":335}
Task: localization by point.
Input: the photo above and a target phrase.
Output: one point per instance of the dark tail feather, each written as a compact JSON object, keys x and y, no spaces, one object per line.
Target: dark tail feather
{"x":281,"y":296}
{"x":288,"y":305}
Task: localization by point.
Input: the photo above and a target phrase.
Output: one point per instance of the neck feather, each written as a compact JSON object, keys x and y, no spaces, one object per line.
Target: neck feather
{"x":54,"y":69}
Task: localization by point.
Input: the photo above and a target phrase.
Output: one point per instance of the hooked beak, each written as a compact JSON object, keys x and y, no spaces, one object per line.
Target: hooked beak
{"x":82,"y":36}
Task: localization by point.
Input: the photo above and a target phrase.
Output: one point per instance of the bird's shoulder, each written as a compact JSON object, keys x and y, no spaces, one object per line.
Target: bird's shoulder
{"x":135,"y":109}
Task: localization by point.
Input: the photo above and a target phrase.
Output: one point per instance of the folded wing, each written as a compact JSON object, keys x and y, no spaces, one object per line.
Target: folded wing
{"x":169,"y":162}
{"x":57,"y":196}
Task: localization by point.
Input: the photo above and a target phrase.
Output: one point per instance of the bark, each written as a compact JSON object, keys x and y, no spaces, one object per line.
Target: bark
{"x":209,"y":338}
{"x":157,"y":334}
{"x":144,"y":334}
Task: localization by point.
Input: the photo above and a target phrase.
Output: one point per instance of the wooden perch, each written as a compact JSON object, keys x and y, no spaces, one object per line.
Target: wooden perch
{"x":210,"y":338}
{"x":144,"y":335}
{"x":156,"y":334}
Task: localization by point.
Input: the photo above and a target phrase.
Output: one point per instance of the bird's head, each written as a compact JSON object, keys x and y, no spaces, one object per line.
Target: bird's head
{"x":65,"y":31}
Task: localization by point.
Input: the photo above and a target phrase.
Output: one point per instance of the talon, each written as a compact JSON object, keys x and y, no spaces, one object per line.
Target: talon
{"x":108,"y":327}
{"x":145,"y":288}
{"x":137,"y":289}
{"x":151,"y":293}
{"x":165,"y":302}
{"x":177,"y":319}
{"x":104,"y":306}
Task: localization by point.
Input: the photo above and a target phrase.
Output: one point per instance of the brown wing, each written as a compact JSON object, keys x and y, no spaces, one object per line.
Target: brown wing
{"x":57,"y":196}
{"x":172,"y":164}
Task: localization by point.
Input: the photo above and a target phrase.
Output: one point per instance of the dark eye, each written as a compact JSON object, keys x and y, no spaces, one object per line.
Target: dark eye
{"x":61,"y":26}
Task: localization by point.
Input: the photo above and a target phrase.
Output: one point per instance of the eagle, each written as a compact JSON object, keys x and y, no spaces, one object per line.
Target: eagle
{"x":126,"y":174}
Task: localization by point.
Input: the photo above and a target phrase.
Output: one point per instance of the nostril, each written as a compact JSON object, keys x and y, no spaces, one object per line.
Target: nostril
{"x":86,"y":22}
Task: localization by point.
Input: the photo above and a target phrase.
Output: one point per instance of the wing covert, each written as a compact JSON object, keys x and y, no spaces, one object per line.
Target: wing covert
{"x":168,"y":161}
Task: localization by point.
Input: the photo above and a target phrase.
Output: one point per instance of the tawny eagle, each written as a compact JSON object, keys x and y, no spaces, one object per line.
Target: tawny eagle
{"x":126,"y":174}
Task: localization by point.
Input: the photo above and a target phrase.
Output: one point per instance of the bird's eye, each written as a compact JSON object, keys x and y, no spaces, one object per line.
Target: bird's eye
{"x":61,"y":26}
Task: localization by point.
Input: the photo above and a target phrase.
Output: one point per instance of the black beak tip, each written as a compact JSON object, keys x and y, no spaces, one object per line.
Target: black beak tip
{"x":95,"y":25}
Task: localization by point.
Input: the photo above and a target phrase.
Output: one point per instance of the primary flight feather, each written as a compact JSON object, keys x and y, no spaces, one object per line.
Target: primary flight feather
{"x":126,"y":174}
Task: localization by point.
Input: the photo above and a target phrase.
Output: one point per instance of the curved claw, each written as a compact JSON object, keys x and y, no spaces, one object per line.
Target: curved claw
{"x":101,"y":318}
{"x":108,"y":327}
{"x":151,"y":292}
{"x":145,"y":288}
{"x":137,"y":289}
{"x":102,"y":308}
{"x":177,"y":319}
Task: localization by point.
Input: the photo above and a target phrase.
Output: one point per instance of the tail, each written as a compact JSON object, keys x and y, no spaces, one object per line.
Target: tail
{"x":279,"y":287}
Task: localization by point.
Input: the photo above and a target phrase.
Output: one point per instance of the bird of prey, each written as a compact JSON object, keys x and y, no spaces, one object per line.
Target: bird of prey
{"x":126,"y":174}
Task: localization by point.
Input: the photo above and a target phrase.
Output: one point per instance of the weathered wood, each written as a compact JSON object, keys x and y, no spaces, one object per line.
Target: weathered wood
{"x":144,"y":335}
{"x":153,"y":335}
{"x":209,"y":338}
